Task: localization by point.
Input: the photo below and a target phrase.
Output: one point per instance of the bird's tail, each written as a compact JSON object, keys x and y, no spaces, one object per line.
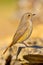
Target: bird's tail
{"x":7,"y":48}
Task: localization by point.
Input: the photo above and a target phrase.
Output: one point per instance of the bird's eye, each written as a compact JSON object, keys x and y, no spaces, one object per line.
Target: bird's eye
{"x":28,"y":15}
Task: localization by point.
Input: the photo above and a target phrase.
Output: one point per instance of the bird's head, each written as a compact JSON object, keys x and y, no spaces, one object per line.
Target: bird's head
{"x":28,"y":16}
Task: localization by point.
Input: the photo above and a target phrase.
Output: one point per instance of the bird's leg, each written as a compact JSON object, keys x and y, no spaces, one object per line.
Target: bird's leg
{"x":24,"y":44}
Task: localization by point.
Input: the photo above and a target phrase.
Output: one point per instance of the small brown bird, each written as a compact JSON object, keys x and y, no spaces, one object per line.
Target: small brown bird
{"x":24,"y":29}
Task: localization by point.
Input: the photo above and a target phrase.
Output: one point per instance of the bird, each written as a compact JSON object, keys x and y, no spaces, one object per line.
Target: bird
{"x":24,"y":30}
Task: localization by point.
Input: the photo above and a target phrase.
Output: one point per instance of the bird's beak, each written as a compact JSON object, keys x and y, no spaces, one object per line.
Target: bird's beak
{"x":33,"y":14}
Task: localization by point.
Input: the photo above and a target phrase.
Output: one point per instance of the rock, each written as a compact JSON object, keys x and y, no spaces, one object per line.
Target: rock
{"x":34,"y":58}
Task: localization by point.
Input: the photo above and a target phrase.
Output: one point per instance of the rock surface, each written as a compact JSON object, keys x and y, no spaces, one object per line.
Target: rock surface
{"x":26,"y":55}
